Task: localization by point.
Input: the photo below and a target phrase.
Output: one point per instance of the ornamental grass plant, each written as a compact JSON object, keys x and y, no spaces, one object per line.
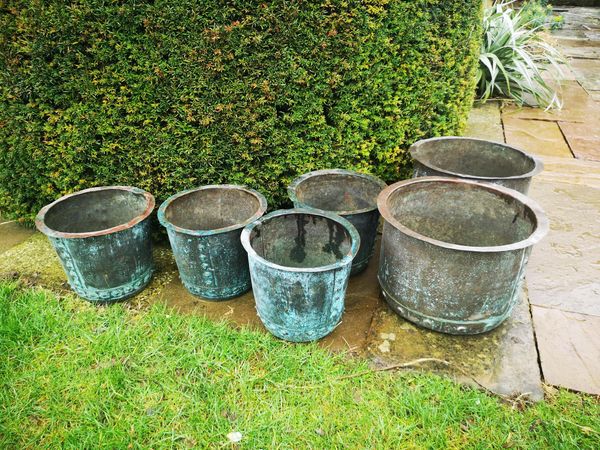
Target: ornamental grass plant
{"x":515,"y":61}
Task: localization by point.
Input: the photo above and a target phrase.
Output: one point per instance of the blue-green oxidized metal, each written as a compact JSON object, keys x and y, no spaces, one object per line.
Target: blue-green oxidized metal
{"x":300,"y":262}
{"x":454,"y":252}
{"x":349,"y":194}
{"x":102,"y":237}
{"x":475,"y":159}
{"x":204,"y":227}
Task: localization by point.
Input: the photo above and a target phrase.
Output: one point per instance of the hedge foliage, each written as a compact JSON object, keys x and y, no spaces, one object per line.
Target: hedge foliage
{"x":170,"y":94}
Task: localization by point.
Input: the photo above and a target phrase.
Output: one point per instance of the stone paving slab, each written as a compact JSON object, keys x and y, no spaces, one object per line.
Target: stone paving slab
{"x":578,"y":107}
{"x":35,"y":261}
{"x":583,"y":139}
{"x":571,"y":34}
{"x":569,"y":346}
{"x":570,"y":171}
{"x":587,"y":72}
{"x":580,"y":17}
{"x":503,"y":360}
{"x":570,"y":43}
{"x":593,"y":35}
{"x":564,"y":74}
{"x":239,"y":311}
{"x":581,"y":50}
{"x":485,"y":122}
{"x":539,"y":137}
{"x":564,"y":268}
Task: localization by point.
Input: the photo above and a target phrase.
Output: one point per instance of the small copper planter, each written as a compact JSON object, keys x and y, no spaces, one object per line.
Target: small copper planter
{"x":102,"y":237}
{"x":204,"y":227}
{"x":300,"y":262}
{"x":349,"y":194}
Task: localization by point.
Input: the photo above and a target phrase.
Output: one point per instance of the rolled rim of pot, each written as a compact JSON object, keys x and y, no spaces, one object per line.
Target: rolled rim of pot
{"x":146,"y":208}
{"x":346,"y":259}
{"x":293,"y":188}
{"x":417,"y":152}
{"x":541,"y":221}
{"x":169,"y":225}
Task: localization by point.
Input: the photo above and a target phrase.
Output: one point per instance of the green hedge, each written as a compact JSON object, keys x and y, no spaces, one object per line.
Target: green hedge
{"x":172,"y":94}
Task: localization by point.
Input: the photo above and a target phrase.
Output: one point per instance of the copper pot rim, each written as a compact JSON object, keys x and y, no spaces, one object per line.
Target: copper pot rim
{"x":45,"y":229}
{"x":541,"y":220}
{"x":292,"y":188}
{"x":346,"y":259}
{"x":162,"y":218}
{"x":538,"y":163}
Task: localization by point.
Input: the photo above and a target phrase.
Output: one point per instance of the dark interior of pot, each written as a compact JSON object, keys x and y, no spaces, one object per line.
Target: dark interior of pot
{"x":301,"y":240}
{"x":338,"y":192}
{"x":212,"y":208}
{"x":460,"y":213}
{"x":95,"y":211}
{"x":473,"y":158}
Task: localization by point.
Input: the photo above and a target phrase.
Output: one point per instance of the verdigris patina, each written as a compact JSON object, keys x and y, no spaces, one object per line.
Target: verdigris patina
{"x":102,"y":237}
{"x":475,"y":159}
{"x":453,"y":252}
{"x":300,"y":263}
{"x":349,"y":194}
{"x":204,"y":227}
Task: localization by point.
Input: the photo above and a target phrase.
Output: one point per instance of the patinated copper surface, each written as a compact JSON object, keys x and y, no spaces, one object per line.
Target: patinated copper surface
{"x":102,"y":237}
{"x":204,"y":227}
{"x":454,"y":252}
{"x":349,"y":194}
{"x":475,"y":159}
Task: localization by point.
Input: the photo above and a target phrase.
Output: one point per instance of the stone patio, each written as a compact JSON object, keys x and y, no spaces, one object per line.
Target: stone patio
{"x":564,"y":269}
{"x":553,"y":335}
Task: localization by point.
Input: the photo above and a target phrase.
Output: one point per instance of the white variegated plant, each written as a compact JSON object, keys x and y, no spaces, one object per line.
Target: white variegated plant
{"x":514,"y":58}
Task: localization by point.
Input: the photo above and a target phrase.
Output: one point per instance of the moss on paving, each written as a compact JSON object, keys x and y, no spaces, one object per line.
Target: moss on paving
{"x":35,"y":262}
{"x":33,"y":259}
{"x":76,"y":375}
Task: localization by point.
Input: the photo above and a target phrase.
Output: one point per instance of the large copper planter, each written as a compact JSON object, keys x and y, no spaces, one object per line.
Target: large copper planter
{"x":453,"y":252}
{"x":475,"y":159}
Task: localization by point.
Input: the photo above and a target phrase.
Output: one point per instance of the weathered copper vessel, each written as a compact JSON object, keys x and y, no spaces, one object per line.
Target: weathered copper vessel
{"x":102,"y":237}
{"x":453,"y":252}
{"x":300,"y":262}
{"x":204,"y":227}
{"x":351,"y":195}
{"x":475,"y":159}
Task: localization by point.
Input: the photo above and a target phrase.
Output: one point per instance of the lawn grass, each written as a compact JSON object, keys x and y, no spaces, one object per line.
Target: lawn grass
{"x":81,"y":376}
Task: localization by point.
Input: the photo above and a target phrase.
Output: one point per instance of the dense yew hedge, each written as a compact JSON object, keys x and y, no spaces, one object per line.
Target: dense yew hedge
{"x":171,"y":94}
